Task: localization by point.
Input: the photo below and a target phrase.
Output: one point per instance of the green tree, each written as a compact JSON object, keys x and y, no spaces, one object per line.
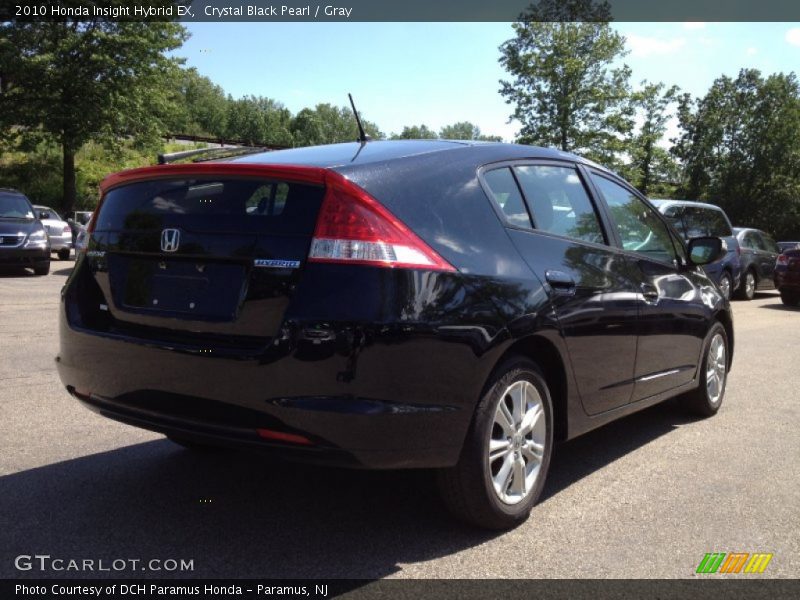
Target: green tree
{"x":652,"y":167}
{"x":415,"y":132}
{"x":328,"y":124}
{"x":76,"y":81}
{"x":563,"y":87}
{"x":258,"y":120}
{"x":204,"y":104}
{"x":740,"y":146}
{"x":465,"y":130}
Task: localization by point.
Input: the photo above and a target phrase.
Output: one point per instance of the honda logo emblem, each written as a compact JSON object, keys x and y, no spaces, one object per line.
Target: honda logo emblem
{"x":170,"y":240}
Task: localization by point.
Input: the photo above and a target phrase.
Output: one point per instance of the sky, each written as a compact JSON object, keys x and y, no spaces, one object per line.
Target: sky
{"x":441,"y":73}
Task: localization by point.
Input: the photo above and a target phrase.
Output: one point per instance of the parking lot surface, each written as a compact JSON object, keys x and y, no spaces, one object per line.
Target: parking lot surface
{"x":647,"y":496}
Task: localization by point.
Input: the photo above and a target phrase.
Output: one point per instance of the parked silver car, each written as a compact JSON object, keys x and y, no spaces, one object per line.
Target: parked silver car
{"x":58,"y":230}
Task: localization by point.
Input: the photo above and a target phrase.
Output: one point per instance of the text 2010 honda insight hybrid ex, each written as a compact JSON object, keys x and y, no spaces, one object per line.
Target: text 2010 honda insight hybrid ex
{"x":436,"y":304}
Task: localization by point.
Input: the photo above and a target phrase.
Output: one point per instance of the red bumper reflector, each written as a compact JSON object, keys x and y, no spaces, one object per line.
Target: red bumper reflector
{"x":280,"y":436}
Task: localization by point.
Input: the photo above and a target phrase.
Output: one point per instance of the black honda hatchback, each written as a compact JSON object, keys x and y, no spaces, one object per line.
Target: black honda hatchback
{"x":429,"y":304}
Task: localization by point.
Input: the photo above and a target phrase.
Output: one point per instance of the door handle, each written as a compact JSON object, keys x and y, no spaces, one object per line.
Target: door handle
{"x":650,"y":292}
{"x":562,"y":283}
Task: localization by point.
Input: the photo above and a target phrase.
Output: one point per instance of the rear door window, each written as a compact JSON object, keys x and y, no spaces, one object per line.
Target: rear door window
{"x":559,"y":202}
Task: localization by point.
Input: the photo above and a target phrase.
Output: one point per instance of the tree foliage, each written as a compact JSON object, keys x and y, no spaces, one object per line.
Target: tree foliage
{"x":563,"y":86}
{"x":76,"y":81}
{"x":652,"y":169}
{"x":415,"y":132}
{"x":465,"y":130}
{"x":328,"y":124}
{"x":740,"y":146}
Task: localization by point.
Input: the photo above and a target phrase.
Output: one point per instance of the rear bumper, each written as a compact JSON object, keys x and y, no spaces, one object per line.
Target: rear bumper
{"x":60,"y":242}
{"x":223,"y":400}
{"x":787,"y":280}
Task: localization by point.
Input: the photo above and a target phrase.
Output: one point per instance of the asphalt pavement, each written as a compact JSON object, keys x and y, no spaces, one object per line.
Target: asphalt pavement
{"x":645,"y":497}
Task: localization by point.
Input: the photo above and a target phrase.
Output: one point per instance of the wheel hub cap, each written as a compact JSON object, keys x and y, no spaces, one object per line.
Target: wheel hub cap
{"x":716,"y":369}
{"x":517,"y":442}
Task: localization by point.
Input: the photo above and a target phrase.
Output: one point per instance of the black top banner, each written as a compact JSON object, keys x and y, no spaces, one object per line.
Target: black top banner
{"x":383,"y":10}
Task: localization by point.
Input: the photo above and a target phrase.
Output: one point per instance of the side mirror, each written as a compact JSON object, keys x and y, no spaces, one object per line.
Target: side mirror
{"x":705,"y":250}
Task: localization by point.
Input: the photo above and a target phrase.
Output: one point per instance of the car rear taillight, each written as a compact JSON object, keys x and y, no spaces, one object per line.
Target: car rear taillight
{"x":782,"y":260}
{"x":66,"y":230}
{"x":354,"y":228}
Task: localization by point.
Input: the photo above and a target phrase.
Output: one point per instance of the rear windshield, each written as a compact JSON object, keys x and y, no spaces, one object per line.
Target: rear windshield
{"x":247,"y":205}
{"x":696,"y":221}
{"x":14,"y":206}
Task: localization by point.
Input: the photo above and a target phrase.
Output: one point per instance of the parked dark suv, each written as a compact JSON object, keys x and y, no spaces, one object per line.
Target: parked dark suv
{"x":758,"y":255}
{"x":693,"y":219}
{"x":23,"y":239}
{"x":398,"y":304}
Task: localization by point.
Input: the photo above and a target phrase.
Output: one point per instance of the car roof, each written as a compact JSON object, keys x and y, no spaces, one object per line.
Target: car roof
{"x":738,"y":230}
{"x":355,"y":153}
{"x":11,"y":191}
{"x":665,"y":202}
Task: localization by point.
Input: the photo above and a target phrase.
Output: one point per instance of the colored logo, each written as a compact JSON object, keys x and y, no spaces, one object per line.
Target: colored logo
{"x":734,"y":562}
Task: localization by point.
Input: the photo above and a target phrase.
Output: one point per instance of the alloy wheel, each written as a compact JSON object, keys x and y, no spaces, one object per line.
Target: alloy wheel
{"x":725,"y":286}
{"x":716,"y":369}
{"x":517,"y":442}
{"x":749,"y":285}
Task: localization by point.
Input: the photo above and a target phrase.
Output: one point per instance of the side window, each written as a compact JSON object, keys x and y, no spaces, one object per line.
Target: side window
{"x":505,"y":194}
{"x":772,"y":245}
{"x":674,"y":216}
{"x":766,"y":243}
{"x":559,"y":202}
{"x":717,"y":223}
{"x":695,"y":222}
{"x":639,"y":228}
{"x":677,"y":244}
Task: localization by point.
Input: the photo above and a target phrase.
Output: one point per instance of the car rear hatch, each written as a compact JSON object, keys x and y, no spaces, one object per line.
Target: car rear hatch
{"x":186,"y":253}
{"x":209,"y":254}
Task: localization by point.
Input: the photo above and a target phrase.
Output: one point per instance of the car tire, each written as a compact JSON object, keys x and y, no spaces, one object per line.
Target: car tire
{"x":43,"y":269}
{"x":706,"y":400}
{"x":747,"y":288}
{"x":63,"y":254}
{"x":726,"y":285}
{"x":503,"y":464}
{"x":790,"y":299}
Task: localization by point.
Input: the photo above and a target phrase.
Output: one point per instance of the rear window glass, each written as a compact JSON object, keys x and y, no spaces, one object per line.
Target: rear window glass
{"x":696,"y":221}
{"x":248,"y":205}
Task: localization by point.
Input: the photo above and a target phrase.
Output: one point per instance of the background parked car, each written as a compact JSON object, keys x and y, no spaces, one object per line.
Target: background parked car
{"x":23,"y":239}
{"x":787,"y":276}
{"x":784,"y":246}
{"x":697,"y":219}
{"x":758,"y":254}
{"x":58,"y":230}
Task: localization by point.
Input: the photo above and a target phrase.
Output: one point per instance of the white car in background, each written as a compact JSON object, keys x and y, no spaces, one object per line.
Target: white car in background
{"x":58,"y":230}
